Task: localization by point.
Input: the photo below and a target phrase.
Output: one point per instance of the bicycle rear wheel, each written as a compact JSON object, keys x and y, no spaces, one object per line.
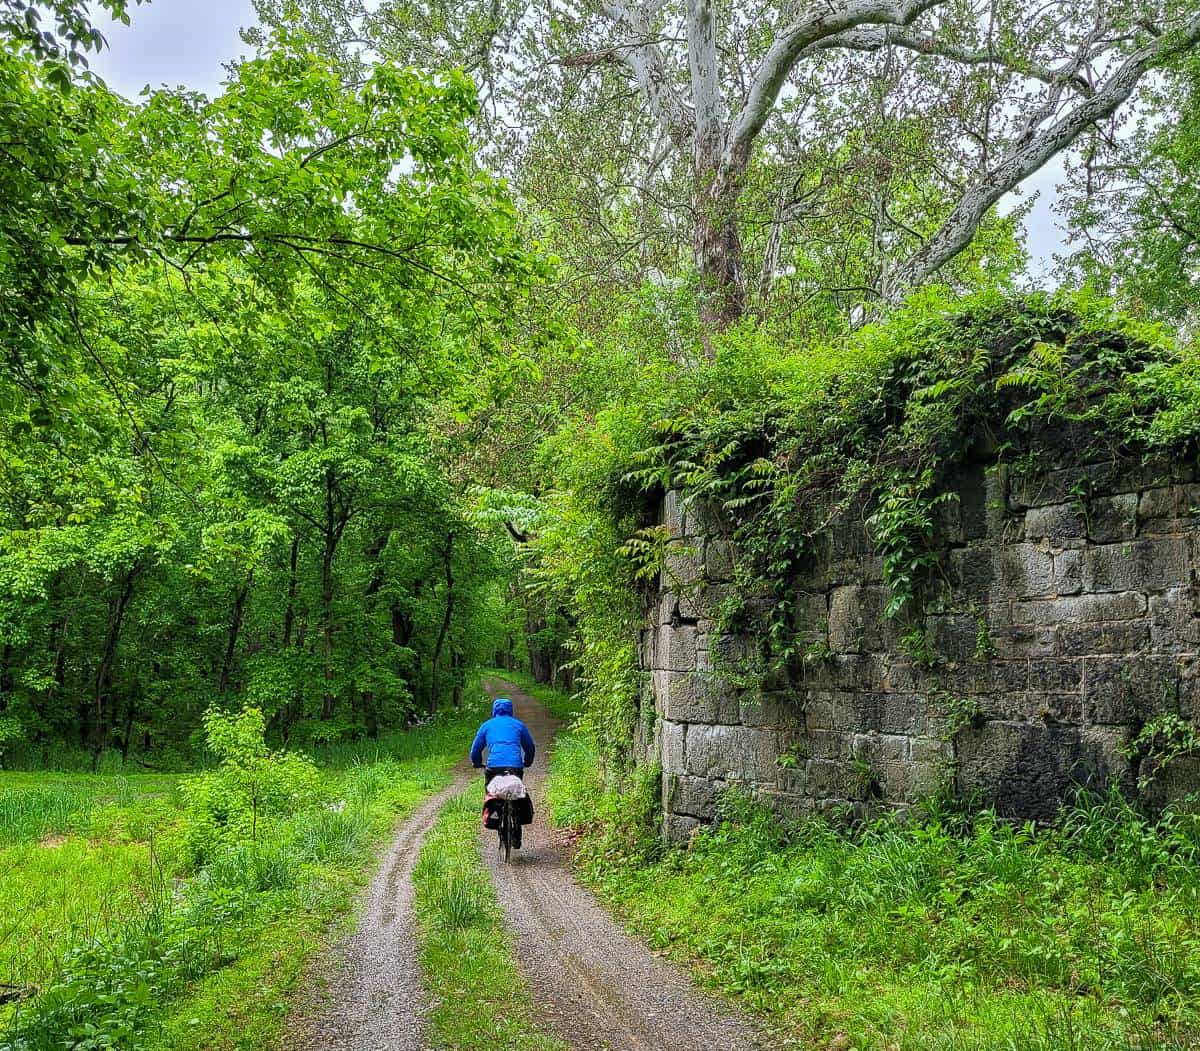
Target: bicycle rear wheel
{"x":507,"y":821}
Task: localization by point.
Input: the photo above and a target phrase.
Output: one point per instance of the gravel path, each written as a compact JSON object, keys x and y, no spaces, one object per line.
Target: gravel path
{"x":367,"y":995}
{"x":597,"y":987}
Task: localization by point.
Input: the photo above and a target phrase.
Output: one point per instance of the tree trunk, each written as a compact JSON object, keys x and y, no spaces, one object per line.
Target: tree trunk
{"x":104,"y":669}
{"x":717,"y":247}
{"x":448,"y":561}
{"x":289,"y":613}
{"x":235,"y":627}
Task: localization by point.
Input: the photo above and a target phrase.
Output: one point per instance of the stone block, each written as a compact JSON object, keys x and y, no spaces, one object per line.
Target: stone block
{"x":671,"y":514}
{"x":1177,"y":781}
{"x":1017,"y":641}
{"x":695,"y":697}
{"x":882,"y":713}
{"x":1189,"y":688}
{"x":822,"y":744}
{"x":1112,"y":518}
{"x":694,"y":796}
{"x":828,"y":779}
{"x":787,"y":806}
{"x":856,"y":618}
{"x":1124,"y":689}
{"x":1175,"y":620}
{"x":880,"y":748}
{"x":1150,"y":564}
{"x":1068,"y":571}
{"x":948,"y":523}
{"x":1027,"y":570}
{"x":952,"y":637}
{"x":678,"y":829}
{"x":1056,"y":674}
{"x":1028,"y":769}
{"x":1106,"y":606}
{"x":821,"y":711}
{"x":928,"y":750}
{"x":1061,"y":524}
{"x":812,"y":611}
{"x":676,"y":650}
{"x":848,"y":536}
{"x":911,"y":782}
{"x":780,"y":710}
{"x":1169,"y":509}
{"x":673,"y":738}
{"x":731,"y":753}
{"x":646,"y":648}
{"x":716,"y":752}
{"x":718,"y":560}
{"x":683,"y":566}
{"x":1081,"y":640}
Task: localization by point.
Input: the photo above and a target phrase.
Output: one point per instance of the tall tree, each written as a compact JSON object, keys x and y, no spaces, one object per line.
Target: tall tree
{"x":723,"y":88}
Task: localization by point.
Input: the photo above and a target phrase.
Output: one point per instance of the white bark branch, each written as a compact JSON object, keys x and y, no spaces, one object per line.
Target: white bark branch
{"x":790,"y":45}
{"x":708,"y":103}
{"x":645,"y":61}
{"x":875,"y":38}
{"x":1029,"y":153}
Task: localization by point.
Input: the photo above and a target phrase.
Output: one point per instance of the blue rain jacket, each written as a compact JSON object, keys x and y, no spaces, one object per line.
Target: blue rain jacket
{"x":505,"y":737}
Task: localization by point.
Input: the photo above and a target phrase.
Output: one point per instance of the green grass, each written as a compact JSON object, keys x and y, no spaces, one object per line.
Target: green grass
{"x":480,"y":1002}
{"x":942,"y":934}
{"x":122,"y":941}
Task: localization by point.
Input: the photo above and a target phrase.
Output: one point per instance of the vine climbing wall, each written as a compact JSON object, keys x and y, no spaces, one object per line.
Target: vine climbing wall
{"x":1058,"y":645}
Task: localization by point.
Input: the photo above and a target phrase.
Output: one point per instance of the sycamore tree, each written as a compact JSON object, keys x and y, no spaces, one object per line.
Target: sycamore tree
{"x":712,"y":124}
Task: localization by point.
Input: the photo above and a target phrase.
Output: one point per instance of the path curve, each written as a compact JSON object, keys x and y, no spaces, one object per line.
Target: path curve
{"x":596,"y":986}
{"x":373,"y":996}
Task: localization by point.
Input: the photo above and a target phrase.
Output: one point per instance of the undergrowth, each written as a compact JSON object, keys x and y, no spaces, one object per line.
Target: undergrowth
{"x":146,"y":916}
{"x":949,"y":931}
{"x":479,"y":1000}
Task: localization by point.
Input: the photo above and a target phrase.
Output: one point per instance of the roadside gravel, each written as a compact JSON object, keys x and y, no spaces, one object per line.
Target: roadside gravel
{"x":367,"y":993}
{"x":597,"y":987}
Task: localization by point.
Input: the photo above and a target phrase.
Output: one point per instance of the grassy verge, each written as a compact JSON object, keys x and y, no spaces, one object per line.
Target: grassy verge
{"x":943,"y":933}
{"x":127,"y":941}
{"x":480,"y":1001}
{"x":561,"y":704}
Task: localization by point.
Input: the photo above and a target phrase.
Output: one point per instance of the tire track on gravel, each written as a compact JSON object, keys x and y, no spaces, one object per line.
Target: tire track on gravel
{"x":596,"y":986}
{"x":373,"y":996}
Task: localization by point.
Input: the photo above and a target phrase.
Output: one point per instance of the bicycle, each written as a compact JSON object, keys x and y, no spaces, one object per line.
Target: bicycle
{"x":509,"y":831}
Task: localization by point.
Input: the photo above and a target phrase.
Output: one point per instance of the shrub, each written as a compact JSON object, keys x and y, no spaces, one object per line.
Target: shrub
{"x":251,"y":784}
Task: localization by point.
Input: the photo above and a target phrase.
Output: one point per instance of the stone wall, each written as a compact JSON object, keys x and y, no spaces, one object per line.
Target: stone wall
{"x":1067,"y":616}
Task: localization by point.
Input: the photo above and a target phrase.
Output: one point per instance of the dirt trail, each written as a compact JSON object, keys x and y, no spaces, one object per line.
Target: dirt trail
{"x":597,"y":987}
{"x":367,"y":994}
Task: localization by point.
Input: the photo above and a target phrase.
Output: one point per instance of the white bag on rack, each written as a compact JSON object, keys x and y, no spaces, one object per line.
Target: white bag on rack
{"x":506,"y":786}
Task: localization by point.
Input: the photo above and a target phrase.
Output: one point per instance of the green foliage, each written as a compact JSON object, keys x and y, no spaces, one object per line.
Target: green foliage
{"x":251,"y":785}
{"x":124,"y":942}
{"x":787,"y":441}
{"x":619,"y":813}
{"x":242,"y":337}
{"x":932,"y":932}
{"x":1160,"y":742}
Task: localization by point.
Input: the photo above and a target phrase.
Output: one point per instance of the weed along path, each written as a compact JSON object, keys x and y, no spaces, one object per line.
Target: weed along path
{"x":368,"y":994}
{"x":595,"y":986}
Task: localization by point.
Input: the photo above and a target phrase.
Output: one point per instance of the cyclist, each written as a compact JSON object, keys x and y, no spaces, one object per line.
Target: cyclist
{"x":508,"y":742}
{"x":509,"y":747}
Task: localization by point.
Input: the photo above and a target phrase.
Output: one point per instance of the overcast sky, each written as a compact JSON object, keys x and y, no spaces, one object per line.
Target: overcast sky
{"x":186,"y":42}
{"x":173,"y":42}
